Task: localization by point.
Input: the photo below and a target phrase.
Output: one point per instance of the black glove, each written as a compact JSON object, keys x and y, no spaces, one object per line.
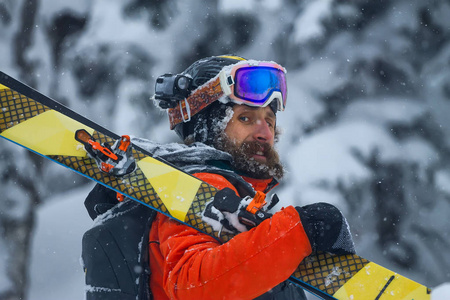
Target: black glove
{"x":326,"y":228}
{"x":100,"y":200}
{"x":236,"y":217}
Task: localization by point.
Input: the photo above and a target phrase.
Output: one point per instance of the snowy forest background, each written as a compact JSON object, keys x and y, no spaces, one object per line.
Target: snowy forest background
{"x":366,"y":126}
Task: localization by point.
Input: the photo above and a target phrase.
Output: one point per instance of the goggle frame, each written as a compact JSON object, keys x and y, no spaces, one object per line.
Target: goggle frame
{"x":227,"y":78}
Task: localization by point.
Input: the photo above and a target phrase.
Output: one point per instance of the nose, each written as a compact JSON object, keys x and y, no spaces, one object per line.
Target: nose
{"x":263,"y":132}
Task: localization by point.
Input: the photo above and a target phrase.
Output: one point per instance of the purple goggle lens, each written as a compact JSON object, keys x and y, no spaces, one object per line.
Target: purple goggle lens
{"x":256,"y":84}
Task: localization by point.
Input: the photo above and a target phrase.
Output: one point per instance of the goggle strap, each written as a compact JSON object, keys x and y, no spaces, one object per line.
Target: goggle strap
{"x":198,"y":100}
{"x":185,"y":115}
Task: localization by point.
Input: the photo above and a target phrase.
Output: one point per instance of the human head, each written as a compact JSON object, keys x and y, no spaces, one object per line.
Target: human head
{"x":197,"y":98}
{"x":202,"y":99}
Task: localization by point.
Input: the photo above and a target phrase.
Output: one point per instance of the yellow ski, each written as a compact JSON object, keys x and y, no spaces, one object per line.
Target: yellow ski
{"x":47,"y":128}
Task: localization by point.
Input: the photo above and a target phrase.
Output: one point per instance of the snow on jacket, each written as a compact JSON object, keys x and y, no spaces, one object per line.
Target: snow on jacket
{"x":187,"y":264}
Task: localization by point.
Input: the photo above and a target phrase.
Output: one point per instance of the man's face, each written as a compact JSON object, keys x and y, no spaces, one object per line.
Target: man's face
{"x":252,"y":124}
{"x":249,"y":137}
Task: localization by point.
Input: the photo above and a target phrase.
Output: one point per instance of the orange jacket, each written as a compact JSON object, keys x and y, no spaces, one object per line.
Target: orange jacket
{"x":187,"y":264}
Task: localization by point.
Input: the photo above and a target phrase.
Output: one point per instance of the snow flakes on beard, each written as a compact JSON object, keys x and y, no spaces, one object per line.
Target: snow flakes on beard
{"x":243,"y":160}
{"x":220,"y":126}
{"x":209,"y":124}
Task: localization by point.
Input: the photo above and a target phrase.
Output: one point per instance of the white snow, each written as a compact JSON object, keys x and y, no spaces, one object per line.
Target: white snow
{"x":312,"y":161}
{"x":317,"y":161}
{"x":5,"y":283}
{"x":57,"y":7}
{"x":332,"y":276}
{"x":233,"y":6}
{"x":89,"y":288}
{"x":441,"y":292}
{"x":310,"y":24}
{"x":443,"y":181}
{"x":385,"y":111}
{"x":56,"y":272}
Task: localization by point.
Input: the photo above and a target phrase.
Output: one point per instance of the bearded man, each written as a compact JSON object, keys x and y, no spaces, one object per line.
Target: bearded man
{"x":225,"y":108}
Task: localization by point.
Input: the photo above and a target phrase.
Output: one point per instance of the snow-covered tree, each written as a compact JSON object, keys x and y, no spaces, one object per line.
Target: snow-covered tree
{"x":366,"y":124}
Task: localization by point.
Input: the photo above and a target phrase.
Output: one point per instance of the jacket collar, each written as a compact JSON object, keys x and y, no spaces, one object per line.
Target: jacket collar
{"x":199,"y":157}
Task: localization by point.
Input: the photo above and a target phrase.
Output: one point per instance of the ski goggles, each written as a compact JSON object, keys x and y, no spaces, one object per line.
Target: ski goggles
{"x":255,"y":83}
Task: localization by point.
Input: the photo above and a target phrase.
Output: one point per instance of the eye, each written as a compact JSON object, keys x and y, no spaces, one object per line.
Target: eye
{"x":270,"y":123}
{"x":244,"y":119}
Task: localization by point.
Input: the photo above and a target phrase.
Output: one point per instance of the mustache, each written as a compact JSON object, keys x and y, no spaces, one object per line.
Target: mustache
{"x":254,"y":147}
{"x":243,"y":158}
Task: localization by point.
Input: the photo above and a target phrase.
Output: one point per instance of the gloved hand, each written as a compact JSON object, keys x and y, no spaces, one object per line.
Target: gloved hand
{"x":326,"y":228}
{"x":236,"y":217}
{"x":100,"y":200}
